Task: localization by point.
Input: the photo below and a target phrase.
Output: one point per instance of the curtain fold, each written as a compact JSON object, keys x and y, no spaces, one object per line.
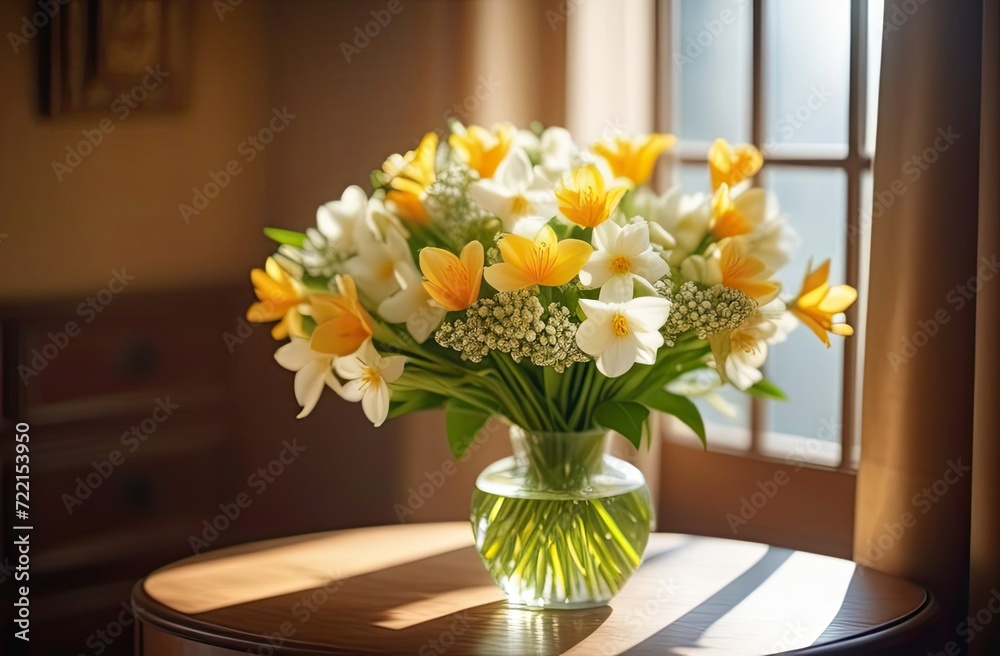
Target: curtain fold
{"x":984,"y":573}
{"x":914,"y":486}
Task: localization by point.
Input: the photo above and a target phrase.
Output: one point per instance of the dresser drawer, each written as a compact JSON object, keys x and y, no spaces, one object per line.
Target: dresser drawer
{"x":100,"y":475}
{"x":117,"y":354}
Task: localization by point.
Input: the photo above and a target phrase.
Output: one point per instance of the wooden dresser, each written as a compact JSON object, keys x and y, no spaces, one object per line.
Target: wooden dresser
{"x":210,"y":408}
{"x":122,"y":404}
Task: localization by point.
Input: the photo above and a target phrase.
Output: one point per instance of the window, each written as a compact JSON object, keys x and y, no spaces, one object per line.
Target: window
{"x":798,"y":79}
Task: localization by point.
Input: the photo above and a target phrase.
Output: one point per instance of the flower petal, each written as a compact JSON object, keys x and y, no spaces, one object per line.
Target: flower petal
{"x":338,"y":337}
{"x":392,"y":368}
{"x":434,"y":263}
{"x":650,"y":265}
{"x":514,"y":171}
{"x":838,"y":299}
{"x":295,"y":354}
{"x":424,"y":322}
{"x":529,"y":226}
{"x":350,"y":367}
{"x":492,"y":197}
{"x":352,"y":391}
{"x":816,"y":277}
{"x":516,"y":250}
{"x":572,"y":254}
{"x":606,"y":235}
{"x":597,"y":270}
{"x":309,"y":383}
{"x":634,"y":239}
{"x":375,"y":403}
{"x":813,"y":325}
{"x":618,"y":357}
{"x":647,"y":313}
{"x":505,"y":277}
{"x":472,"y":259}
{"x":842,"y":329}
{"x":594,"y":335}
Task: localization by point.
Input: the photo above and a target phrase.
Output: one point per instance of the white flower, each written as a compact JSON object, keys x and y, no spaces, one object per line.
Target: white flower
{"x":741,"y":353}
{"x":373,"y":268}
{"x":522,"y":200}
{"x":411,"y":304}
{"x":622,"y":256}
{"x":557,"y":151}
{"x":312,"y":370}
{"x":529,"y":142}
{"x":368,"y":374}
{"x":338,"y":220}
{"x":619,"y":335}
{"x":677,"y":222}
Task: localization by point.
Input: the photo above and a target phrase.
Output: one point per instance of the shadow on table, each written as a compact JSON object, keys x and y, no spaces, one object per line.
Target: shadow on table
{"x":440,"y":602}
{"x":688,"y":628}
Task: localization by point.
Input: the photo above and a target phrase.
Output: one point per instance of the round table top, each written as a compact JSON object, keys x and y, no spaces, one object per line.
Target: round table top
{"x":422,"y":589}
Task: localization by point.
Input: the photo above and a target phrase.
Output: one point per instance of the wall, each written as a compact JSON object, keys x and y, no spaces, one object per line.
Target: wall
{"x":119,"y":207}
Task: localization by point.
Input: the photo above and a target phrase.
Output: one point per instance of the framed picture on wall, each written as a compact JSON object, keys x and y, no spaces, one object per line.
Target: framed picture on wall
{"x":130,"y":53}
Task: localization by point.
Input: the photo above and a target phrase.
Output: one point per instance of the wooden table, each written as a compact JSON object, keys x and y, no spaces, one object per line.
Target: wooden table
{"x":421,"y":589}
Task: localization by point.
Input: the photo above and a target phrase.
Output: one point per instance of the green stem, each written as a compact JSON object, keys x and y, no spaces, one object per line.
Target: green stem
{"x":575,"y":418}
{"x":512,"y":373}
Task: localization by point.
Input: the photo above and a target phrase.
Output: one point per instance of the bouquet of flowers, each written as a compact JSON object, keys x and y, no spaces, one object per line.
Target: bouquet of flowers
{"x":513,"y":273}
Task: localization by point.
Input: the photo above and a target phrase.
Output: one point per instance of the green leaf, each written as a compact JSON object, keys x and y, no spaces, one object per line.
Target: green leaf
{"x":625,"y":417}
{"x":765,"y":389}
{"x":289,"y":237}
{"x":679,"y":406}
{"x":462,"y":423}
{"x":413,"y":401}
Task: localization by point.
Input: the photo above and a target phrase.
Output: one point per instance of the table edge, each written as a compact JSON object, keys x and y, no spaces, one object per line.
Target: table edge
{"x":183,"y":625}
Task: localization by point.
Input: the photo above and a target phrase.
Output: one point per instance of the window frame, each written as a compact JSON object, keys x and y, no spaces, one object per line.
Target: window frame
{"x":819,"y":516}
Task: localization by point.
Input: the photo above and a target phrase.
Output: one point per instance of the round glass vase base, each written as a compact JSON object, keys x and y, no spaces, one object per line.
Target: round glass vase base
{"x":560,"y":525}
{"x":543,"y":604}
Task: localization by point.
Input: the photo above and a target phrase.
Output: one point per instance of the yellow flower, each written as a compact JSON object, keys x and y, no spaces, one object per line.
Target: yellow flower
{"x":483,"y":149}
{"x":818,"y":302}
{"x":727,"y":219}
{"x":543,"y":261}
{"x":634,"y":157}
{"x":742,"y":271}
{"x":732,"y":167}
{"x":278,"y":295}
{"x":342,"y":325}
{"x":583,"y":199}
{"x":409,"y":177}
{"x":453,"y":282}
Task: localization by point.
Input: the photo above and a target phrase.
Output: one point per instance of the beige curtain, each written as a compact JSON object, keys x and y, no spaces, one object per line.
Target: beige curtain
{"x":930,"y":394}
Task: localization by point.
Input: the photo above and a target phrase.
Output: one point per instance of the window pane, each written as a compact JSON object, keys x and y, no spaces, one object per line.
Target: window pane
{"x":727,"y":419}
{"x":694,"y":179}
{"x":713,"y":61}
{"x":815,"y":202}
{"x":806,"y":70}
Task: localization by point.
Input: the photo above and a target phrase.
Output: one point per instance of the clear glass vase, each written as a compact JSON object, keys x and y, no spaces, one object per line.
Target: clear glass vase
{"x":561,"y":524}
